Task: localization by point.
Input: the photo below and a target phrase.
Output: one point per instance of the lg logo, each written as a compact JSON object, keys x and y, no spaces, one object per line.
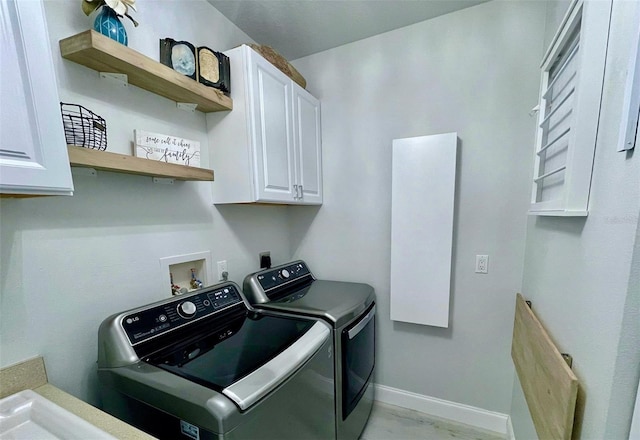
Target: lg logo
{"x":132,"y":320}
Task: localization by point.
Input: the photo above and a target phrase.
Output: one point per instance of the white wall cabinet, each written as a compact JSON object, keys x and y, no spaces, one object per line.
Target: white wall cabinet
{"x":33,"y":150}
{"x":268,"y":149}
{"x":571,"y":90}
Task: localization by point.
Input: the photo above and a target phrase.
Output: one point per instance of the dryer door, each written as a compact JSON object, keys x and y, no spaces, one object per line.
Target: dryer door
{"x":358,"y":359}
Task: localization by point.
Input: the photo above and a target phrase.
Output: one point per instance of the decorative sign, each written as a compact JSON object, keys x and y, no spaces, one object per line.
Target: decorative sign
{"x":166,"y":148}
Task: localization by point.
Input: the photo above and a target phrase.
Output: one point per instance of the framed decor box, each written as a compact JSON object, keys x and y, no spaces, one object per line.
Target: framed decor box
{"x":213,"y":69}
{"x":180,"y":56}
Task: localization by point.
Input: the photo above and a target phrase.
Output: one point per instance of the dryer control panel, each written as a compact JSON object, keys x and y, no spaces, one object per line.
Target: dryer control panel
{"x":154,"y":321}
{"x":282,"y":275}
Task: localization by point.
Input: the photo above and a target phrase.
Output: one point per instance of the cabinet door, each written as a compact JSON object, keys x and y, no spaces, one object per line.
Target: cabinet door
{"x":272,"y":132}
{"x":33,"y":150}
{"x":306,"y":111}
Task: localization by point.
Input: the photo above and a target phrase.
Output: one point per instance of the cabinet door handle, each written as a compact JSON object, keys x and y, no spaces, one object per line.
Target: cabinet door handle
{"x":301,"y":193}
{"x":295,"y":191}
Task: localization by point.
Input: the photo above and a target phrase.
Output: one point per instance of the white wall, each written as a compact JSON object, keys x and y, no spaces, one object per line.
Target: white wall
{"x":582,"y":276}
{"x":635,"y":423}
{"x":66,"y":263}
{"x":474,"y":72}
{"x":556,"y":10}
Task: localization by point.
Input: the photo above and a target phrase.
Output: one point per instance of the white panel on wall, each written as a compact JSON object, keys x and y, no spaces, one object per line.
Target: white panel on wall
{"x":631,"y":108}
{"x":422,"y":196}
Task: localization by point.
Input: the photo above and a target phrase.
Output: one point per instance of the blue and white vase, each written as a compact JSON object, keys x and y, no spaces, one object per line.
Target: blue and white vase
{"x":108,"y":23}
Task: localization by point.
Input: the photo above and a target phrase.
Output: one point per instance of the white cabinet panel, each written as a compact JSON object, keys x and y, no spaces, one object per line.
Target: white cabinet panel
{"x":33,"y":151}
{"x":308,"y":146}
{"x":272,"y":131}
{"x":422,"y":203}
{"x":268,"y":149}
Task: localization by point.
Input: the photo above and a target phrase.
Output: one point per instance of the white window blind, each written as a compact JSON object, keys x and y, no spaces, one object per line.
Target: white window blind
{"x":559,"y":100}
{"x":571,"y":86}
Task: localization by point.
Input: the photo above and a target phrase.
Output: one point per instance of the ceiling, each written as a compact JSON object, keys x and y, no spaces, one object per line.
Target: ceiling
{"x":296,"y":28}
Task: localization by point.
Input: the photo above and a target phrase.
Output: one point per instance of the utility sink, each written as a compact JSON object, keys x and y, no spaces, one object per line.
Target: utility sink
{"x":27,"y":415}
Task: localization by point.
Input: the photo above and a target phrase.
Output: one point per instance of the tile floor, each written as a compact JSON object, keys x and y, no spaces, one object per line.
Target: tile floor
{"x":388,"y":422}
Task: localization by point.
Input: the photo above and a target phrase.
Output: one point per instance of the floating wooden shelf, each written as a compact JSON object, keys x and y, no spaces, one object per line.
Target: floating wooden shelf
{"x":103,"y":54}
{"x":121,"y":163}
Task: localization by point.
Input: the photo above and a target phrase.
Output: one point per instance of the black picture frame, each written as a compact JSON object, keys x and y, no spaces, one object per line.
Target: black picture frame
{"x":213,"y":69}
{"x":180,"y":56}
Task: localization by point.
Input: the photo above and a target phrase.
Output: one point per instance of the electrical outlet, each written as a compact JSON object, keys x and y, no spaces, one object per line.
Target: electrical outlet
{"x":222,"y":267}
{"x":482,"y":264}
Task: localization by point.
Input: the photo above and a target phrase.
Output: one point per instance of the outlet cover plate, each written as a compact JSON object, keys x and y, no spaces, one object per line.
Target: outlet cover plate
{"x":482,"y":264}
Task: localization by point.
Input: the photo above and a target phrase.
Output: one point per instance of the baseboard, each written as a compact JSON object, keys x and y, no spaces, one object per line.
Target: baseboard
{"x":456,"y":412}
{"x":511,"y":435}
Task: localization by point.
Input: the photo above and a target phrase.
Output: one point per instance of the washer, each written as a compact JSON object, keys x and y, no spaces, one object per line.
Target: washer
{"x":292,"y":290}
{"x":205,"y":366}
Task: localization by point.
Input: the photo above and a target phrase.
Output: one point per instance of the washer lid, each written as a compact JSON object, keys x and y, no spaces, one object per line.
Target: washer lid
{"x":245,"y":345}
{"x":259,"y":383}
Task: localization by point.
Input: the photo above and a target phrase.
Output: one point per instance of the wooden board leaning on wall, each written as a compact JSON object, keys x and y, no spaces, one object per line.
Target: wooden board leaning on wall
{"x":550,"y":387}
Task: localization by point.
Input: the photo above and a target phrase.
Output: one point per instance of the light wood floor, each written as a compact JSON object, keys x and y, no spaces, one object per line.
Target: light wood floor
{"x":388,"y":422}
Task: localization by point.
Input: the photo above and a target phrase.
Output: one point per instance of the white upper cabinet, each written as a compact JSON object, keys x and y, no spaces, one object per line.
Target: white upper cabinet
{"x":33,"y":150}
{"x":268,"y":149}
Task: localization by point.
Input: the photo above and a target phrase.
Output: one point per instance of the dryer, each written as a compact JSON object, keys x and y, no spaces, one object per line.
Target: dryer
{"x":349,"y":308}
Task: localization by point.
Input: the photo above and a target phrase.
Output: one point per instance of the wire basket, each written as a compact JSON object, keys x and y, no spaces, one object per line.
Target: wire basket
{"x":83,"y":128}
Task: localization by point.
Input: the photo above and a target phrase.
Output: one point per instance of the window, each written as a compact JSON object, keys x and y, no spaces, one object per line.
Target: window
{"x":569,"y":109}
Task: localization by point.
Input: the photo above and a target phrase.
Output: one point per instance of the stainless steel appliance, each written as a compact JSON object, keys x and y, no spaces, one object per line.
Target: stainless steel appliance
{"x":292,"y":290}
{"x":205,"y":366}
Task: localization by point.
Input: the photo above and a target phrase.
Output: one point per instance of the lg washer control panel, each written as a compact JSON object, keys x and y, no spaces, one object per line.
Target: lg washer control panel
{"x":149,"y":323}
{"x":283,"y":275}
